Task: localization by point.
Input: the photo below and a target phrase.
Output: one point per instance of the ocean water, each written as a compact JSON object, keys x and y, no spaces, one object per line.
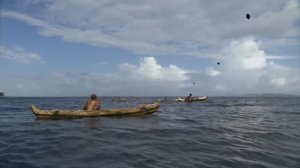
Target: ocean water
{"x":254,"y":132}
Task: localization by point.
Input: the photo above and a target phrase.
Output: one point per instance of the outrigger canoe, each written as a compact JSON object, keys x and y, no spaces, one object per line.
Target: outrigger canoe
{"x":138,"y":110}
{"x":203,"y":98}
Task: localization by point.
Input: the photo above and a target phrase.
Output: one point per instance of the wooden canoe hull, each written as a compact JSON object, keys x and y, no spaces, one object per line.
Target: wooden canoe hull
{"x":138,"y":110}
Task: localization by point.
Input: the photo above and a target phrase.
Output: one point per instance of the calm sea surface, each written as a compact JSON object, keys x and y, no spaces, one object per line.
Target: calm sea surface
{"x":221,"y":132}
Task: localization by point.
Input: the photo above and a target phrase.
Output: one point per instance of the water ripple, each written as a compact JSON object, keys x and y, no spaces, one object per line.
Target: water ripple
{"x":222,"y":132}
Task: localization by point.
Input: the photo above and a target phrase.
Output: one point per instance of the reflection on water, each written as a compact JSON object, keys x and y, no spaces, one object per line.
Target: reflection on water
{"x":91,"y":122}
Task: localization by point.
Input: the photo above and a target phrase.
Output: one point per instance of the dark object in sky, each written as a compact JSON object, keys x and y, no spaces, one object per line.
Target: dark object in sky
{"x":218,"y":63}
{"x":194,"y":83}
{"x":248,"y":16}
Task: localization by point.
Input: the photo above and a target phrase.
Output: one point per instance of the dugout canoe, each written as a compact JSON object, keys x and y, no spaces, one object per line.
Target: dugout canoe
{"x":54,"y":113}
{"x":203,"y":98}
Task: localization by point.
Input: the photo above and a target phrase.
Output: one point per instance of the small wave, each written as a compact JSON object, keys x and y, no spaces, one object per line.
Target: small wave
{"x":221,"y":132}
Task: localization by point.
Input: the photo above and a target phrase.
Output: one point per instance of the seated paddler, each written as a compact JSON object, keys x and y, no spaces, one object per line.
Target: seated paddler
{"x":189,"y":98}
{"x":93,"y":104}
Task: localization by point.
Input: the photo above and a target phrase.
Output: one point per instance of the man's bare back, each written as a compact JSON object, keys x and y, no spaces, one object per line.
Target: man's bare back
{"x":93,"y":104}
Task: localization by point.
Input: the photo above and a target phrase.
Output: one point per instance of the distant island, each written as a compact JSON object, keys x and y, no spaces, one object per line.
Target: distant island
{"x":268,"y":95}
{"x":1,"y":94}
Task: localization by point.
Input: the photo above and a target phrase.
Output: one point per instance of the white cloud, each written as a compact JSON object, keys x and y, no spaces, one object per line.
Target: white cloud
{"x":194,"y":28}
{"x":19,"y":55}
{"x":20,"y":86}
{"x":246,"y":52}
{"x":150,"y":69}
{"x":210,"y":71}
{"x":159,"y":27}
{"x":245,"y":69}
{"x":220,"y":87}
{"x":282,"y":57}
{"x":280,"y":42}
{"x":148,"y":78}
{"x":278,"y":81}
{"x":30,"y":20}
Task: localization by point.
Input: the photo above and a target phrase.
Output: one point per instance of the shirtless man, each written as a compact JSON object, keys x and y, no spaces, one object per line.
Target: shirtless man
{"x":93,"y":104}
{"x":189,"y":98}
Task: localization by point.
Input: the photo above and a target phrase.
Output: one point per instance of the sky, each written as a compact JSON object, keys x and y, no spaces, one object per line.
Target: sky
{"x":149,"y":48}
